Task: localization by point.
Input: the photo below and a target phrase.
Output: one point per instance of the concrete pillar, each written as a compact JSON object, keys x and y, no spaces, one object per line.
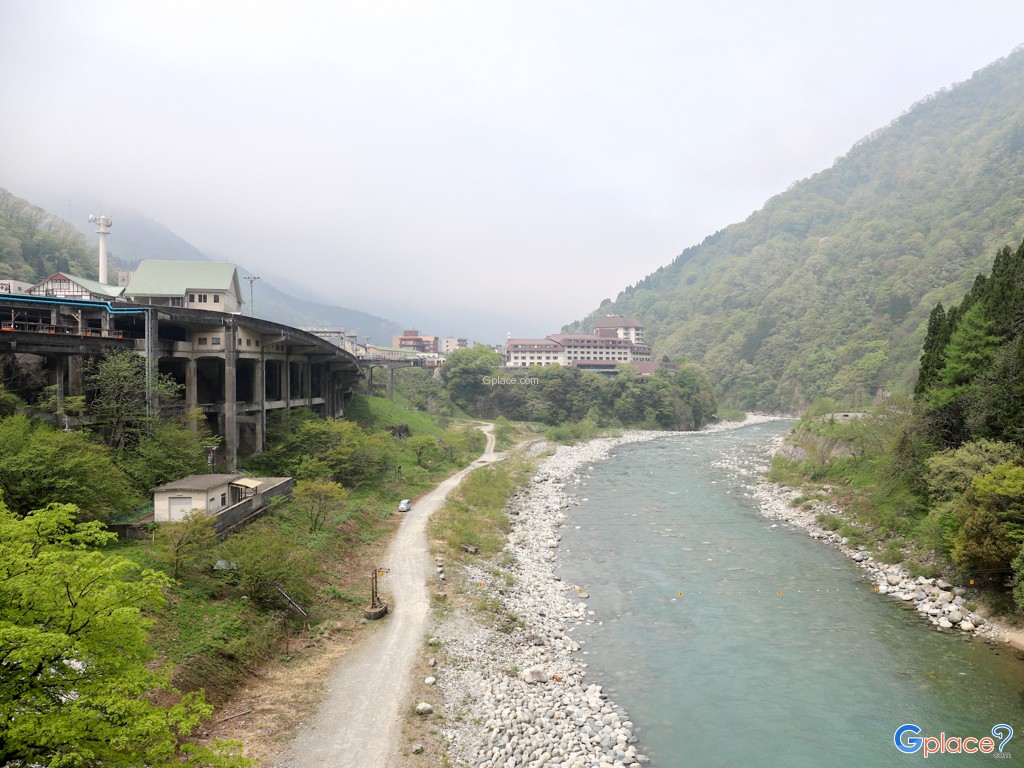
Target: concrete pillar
{"x":390,"y":381}
{"x":191,"y":384}
{"x":286,"y":383}
{"x":55,"y":375}
{"x":259,"y":392}
{"x":230,"y":432}
{"x":75,"y":384}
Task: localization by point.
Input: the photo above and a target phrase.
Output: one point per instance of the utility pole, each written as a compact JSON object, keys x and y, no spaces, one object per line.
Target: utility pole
{"x":252,"y":305}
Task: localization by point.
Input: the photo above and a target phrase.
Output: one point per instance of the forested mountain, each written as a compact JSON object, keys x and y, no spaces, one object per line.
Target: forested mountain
{"x":34,"y":244}
{"x":826,"y":291}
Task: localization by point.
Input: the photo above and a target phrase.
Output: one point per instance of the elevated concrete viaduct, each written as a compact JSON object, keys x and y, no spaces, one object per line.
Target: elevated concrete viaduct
{"x":234,"y":368}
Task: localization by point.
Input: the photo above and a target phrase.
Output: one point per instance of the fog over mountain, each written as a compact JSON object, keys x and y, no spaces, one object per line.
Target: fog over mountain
{"x":464,"y":168}
{"x":827,"y":289}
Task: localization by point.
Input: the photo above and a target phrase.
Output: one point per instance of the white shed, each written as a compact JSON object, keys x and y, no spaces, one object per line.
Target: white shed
{"x":210,"y":493}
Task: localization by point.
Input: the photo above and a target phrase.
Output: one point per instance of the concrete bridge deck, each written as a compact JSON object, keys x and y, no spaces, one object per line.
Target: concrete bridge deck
{"x":234,"y":368}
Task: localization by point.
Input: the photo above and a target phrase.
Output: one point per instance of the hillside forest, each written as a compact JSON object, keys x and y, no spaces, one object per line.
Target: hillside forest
{"x":937,"y":480}
{"x":826,"y":291}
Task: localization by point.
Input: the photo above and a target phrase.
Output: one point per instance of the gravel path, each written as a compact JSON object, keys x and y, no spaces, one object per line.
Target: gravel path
{"x":357,"y":725}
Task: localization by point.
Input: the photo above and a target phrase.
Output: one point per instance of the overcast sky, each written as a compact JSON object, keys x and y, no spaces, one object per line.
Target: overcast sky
{"x":465,"y":168}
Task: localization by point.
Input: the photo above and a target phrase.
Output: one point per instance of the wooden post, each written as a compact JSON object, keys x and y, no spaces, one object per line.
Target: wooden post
{"x":377,"y":608}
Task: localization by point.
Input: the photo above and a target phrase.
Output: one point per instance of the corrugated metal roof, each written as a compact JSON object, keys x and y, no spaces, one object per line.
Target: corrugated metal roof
{"x":92,"y":286}
{"x":198,"y":483}
{"x":176,"y":278}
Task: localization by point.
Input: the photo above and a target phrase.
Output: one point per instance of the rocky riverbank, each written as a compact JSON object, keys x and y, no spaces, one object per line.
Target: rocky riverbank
{"x":516,"y":692}
{"x":941,"y":603}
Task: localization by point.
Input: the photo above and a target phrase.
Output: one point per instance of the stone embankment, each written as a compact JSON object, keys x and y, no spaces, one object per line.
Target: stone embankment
{"x":516,"y":692}
{"x":943,"y":604}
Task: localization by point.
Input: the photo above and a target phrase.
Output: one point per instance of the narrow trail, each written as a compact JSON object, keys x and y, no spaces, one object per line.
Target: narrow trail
{"x":358,"y":723}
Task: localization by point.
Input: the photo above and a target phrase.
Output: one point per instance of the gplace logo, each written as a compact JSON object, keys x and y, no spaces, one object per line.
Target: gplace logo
{"x":908,"y":741}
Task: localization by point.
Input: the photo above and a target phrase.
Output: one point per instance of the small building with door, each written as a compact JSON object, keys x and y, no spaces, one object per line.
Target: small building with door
{"x":210,"y":493}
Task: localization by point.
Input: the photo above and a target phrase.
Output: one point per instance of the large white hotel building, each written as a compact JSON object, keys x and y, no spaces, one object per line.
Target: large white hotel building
{"x":615,"y":341}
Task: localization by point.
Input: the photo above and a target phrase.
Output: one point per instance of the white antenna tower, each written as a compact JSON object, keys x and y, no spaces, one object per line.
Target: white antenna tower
{"x":103,"y":224}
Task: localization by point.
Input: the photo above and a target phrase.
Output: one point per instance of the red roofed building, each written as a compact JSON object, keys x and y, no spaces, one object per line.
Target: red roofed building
{"x":623,"y":327}
{"x":411,"y":340}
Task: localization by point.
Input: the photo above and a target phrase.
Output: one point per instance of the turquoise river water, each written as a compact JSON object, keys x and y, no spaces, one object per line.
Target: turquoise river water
{"x":732,"y":641}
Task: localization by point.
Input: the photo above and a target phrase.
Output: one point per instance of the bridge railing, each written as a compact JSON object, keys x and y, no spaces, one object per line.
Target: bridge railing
{"x":54,"y":330}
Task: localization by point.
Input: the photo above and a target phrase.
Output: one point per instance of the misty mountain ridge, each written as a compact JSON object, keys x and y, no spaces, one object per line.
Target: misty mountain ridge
{"x":826,"y":290}
{"x":136,"y":237}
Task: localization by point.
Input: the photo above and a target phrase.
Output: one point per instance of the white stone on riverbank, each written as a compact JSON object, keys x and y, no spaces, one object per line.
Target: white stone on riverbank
{"x":515,"y":693}
{"x":936,"y":600}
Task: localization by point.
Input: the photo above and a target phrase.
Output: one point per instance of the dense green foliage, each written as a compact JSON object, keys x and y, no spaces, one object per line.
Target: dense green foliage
{"x":971,"y":394}
{"x":76,"y":686}
{"x":561,"y":395}
{"x":941,"y":478}
{"x":115,"y":386}
{"x":35,"y":244}
{"x":110,"y":465}
{"x":40,"y":465}
{"x":83,"y":627}
{"x":826,"y":291}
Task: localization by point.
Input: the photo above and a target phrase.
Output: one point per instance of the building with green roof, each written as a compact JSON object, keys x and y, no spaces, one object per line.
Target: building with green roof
{"x":209,"y":285}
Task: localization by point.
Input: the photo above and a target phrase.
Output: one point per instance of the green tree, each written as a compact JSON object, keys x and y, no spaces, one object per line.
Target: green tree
{"x":115,"y":384}
{"x":464,"y":371}
{"x":1018,"y":574}
{"x":993,"y":523}
{"x":266,"y":563}
{"x":186,"y":544}
{"x":951,"y":472}
{"x":76,"y":684}
{"x":8,"y":402}
{"x":169,"y":451}
{"x":333,"y":449}
{"x":424,"y":448}
{"x":320,"y":500}
{"x":41,"y":465}
{"x":423,"y":390}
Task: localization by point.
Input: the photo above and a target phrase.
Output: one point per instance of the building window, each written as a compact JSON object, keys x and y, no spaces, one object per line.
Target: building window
{"x":202,"y":341}
{"x":176,"y":301}
{"x":216,"y":298}
{"x":223,"y":499}
{"x":216,"y":341}
{"x":202,"y":298}
{"x":248,"y":342}
{"x":191,"y":298}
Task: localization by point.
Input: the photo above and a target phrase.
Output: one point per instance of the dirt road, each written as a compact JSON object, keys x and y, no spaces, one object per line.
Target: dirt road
{"x":358,"y":724}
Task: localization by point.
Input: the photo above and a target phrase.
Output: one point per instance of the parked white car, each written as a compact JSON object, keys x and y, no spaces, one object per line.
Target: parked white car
{"x":405,"y":505}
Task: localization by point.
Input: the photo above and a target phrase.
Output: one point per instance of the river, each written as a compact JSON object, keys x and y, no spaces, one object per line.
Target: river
{"x":735,"y":641}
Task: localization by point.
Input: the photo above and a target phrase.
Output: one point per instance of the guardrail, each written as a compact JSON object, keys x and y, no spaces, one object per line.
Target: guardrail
{"x":59,"y":330}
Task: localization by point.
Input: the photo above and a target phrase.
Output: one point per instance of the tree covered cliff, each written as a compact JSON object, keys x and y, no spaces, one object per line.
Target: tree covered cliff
{"x":826,"y":291}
